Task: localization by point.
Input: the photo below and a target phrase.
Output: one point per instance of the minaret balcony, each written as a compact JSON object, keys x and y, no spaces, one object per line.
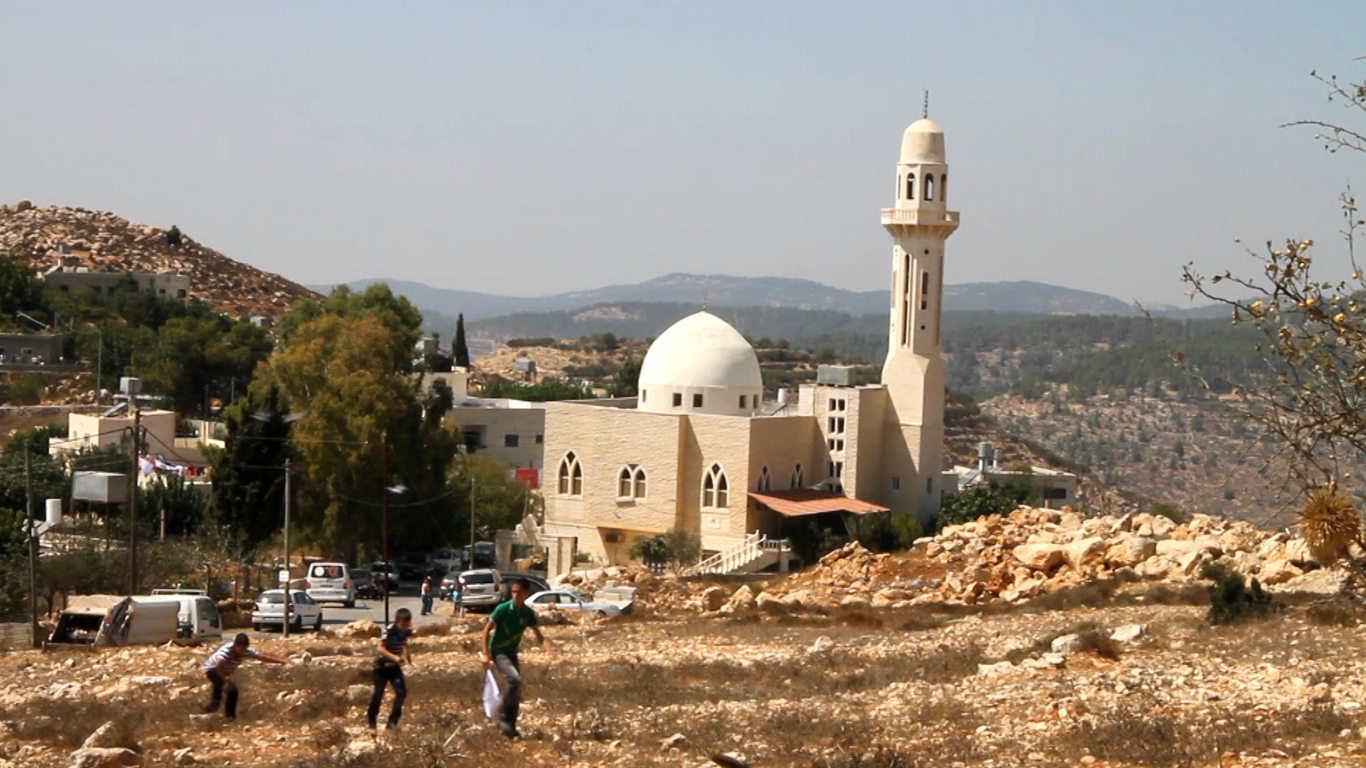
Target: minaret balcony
{"x":915,"y":216}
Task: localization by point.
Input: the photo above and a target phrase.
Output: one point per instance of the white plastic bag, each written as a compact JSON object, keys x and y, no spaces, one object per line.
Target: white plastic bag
{"x":493,"y":700}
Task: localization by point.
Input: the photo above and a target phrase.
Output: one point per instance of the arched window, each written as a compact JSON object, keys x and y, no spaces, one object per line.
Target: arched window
{"x":910,"y":186}
{"x":570,"y":476}
{"x":631,"y":482}
{"x":715,"y":490}
{"x":797,"y":480}
{"x":944,"y":187}
{"x":929,"y":187}
{"x":765,"y":483}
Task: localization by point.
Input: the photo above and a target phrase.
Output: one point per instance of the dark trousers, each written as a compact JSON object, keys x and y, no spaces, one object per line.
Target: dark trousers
{"x":387,"y":673}
{"x":512,"y":697}
{"x":426,"y":604}
{"x":220,"y":682}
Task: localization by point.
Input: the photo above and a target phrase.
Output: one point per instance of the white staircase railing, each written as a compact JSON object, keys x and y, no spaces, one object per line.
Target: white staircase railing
{"x":752,"y":547}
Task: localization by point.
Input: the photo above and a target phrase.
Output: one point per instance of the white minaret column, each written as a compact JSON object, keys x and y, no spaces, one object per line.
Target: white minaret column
{"x":913,"y":373}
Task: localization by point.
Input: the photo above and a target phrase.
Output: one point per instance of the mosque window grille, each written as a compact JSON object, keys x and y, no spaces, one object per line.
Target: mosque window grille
{"x":715,"y":489}
{"x":570,"y":476}
{"x":798,"y":480}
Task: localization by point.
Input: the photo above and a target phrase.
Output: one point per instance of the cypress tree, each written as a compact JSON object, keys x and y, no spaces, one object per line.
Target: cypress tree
{"x":459,"y":349}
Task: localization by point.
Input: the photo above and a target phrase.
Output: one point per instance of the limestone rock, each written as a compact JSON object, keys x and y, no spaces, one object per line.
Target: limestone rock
{"x":1084,"y":552}
{"x":103,"y":757}
{"x":1279,"y":572}
{"x":104,"y":736}
{"x":1039,"y":557}
{"x":769,"y":604}
{"x":1127,"y":633}
{"x":713,"y":598}
{"x":363,"y":629}
{"x":1129,"y":551}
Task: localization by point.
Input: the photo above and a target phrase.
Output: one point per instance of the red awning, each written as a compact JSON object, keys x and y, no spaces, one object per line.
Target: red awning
{"x":807,"y":501}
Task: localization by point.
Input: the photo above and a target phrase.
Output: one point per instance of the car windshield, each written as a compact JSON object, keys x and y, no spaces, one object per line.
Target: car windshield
{"x":360,"y":575}
{"x":478,"y":578}
{"x":271,"y":598}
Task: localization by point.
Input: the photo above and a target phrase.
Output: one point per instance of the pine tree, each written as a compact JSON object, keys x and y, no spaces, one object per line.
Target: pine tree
{"x":459,"y":349}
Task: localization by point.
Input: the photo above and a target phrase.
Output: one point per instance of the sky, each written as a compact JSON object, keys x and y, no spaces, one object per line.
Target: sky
{"x":530,"y":148}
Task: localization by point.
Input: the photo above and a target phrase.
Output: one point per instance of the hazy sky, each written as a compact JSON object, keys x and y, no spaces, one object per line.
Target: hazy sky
{"x":531,"y":148}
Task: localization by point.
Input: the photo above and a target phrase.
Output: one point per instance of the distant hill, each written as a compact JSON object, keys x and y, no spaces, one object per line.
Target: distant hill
{"x":791,"y":293}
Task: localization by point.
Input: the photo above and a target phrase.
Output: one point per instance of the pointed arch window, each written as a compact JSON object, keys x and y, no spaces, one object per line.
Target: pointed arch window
{"x":765,"y":482}
{"x":631,"y":482}
{"x":944,"y":187}
{"x":910,"y":186}
{"x":929,"y":187}
{"x":715,"y":489}
{"x":797,"y":480}
{"x":570,"y":476}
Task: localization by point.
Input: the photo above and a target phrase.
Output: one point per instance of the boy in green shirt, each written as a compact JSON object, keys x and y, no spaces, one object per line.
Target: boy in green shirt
{"x":502,"y":638}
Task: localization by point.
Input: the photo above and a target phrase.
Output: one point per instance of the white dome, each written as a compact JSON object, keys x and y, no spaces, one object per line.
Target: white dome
{"x":700,"y":355}
{"x":923,"y":142}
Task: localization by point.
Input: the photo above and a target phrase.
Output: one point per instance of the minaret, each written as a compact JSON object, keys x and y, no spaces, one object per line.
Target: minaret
{"x":919,"y":224}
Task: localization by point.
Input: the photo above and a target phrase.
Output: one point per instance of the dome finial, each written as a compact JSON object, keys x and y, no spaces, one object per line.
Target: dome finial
{"x":927,"y":104}
{"x":704,"y":299}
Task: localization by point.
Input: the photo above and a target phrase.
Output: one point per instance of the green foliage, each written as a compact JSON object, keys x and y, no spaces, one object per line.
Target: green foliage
{"x":460,"y":350}
{"x":248,"y":474}
{"x":193,"y":358}
{"x":1231,"y":598}
{"x":20,"y":289}
{"x":677,"y":548}
{"x":626,"y":379}
{"x":979,"y":500}
{"x":884,"y":533}
{"x":1169,"y":511}
{"x":174,"y":237}
{"x":543,"y":341}
{"x":549,"y":388}
{"x":180,"y":504}
{"x":377,"y":301}
{"x":811,"y":541}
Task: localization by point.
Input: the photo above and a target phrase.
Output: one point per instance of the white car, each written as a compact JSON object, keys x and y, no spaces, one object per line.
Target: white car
{"x":564,"y":600}
{"x":270,"y":609}
{"x":331,"y":583}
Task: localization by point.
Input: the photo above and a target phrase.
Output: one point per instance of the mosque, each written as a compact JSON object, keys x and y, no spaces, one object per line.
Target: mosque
{"x":700,"y":449}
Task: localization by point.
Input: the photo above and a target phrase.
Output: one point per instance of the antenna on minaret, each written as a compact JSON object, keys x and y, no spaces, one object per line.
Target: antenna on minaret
{"x":927,"y":104}
{"x":704,"y":299}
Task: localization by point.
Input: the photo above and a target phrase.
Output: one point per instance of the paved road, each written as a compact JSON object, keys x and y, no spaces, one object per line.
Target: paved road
{"x":334,"y":615}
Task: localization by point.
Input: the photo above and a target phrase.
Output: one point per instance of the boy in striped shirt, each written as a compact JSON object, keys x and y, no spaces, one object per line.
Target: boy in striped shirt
{"x":220,"y":667}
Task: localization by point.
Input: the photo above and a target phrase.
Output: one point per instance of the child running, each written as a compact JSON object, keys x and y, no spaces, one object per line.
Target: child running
{"x":393,"y":654}
{"x":221,"y":665}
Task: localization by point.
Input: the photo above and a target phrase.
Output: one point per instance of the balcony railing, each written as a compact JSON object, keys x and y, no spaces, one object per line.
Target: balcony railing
{"x":918,"y":216}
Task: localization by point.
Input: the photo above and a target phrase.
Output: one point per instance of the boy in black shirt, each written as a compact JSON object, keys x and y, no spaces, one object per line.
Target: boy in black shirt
{"x":393,"y":654}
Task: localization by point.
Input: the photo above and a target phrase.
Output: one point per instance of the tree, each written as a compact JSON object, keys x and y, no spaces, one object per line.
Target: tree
{"x":196,"y":357}
{"x":980,"y":500}
{"x":248,"y":473}
{"x":20,"y":289}
{"x":1312,"y":331}
{"x":626,"y":379}
{"x":459,"y":349}
{"x":377,"y":301}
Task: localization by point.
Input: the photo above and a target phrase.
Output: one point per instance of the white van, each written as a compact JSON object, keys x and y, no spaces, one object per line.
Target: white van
{"x":330,"y":583}
{"x":198,"y":616}
{"x":116,"y":620}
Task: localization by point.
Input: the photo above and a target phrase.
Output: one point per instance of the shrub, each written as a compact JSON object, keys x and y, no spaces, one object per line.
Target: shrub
{"x":1169,"y":511}
{"x":1232,"y":599}
{"x":980,"y":500}
{"x":174,"y":237}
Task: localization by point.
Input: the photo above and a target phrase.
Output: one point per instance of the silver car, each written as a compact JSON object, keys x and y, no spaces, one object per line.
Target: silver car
{"x":564,"y":600}
{"x":481,"y":589}
{"x":270,"y":609}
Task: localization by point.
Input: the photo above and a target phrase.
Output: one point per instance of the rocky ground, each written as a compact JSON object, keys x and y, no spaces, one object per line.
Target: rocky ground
{"x":932,"y":657}
{"x":104,"y":242}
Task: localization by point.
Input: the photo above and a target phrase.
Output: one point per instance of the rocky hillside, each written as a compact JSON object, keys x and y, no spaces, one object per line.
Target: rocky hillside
{"x":104,"y":242}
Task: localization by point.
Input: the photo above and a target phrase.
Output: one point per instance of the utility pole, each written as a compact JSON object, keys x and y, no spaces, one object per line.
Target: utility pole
{"x":384,"y":517}
{"x":133,"y":499}
{"x":471,"y":517}
{"x":32,"y":544}
{"x":286,"y":623}
{"x":99,"y":365}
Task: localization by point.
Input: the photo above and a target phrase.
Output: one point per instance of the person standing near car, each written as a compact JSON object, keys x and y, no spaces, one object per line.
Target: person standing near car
{"x":392,"y":653}
{"x":502,"y":639}
{"x":426,"y":594}
{"x":221,"y":665}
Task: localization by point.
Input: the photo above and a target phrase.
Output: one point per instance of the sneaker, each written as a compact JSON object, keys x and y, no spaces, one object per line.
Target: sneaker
{"x":391,"y":727}
{"x":509,"y":730}
{"x":209,"y":709}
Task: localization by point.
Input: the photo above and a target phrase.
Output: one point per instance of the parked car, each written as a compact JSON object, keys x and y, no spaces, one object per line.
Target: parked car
{"x":536,"y":583}
{"x":483,"y":588}
{"x":565,"y":600}
{"x":482,"y":554}
{"x":198,"y":615}
{"x":331,"y":583}
{"x":270,"y":609}
{"x":363,"y":580}
{"x":440,"y":559}
{"x":388,"y":571}
{"x":411,"y":568}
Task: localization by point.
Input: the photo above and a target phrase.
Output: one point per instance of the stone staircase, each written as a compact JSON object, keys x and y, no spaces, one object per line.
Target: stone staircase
{"x":753,"y":553}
